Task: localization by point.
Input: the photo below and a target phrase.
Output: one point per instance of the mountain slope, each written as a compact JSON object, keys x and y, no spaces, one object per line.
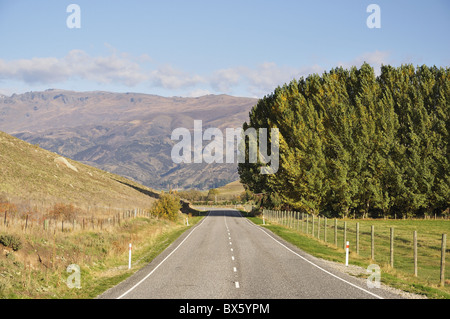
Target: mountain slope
{"x":33,"y":175}
{"x":124,"y":133}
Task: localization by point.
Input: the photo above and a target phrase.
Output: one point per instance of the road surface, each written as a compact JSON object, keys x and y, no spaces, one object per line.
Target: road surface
{"x":226,"y":256}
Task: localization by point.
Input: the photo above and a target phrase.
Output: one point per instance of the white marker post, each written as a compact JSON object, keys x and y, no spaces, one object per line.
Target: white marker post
{"x":346,"y":254}
{"x":129,"y":257}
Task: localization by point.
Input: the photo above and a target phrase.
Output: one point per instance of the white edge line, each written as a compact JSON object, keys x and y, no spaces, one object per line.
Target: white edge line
{"x":148,"y":275}
{"x":326,"y":271}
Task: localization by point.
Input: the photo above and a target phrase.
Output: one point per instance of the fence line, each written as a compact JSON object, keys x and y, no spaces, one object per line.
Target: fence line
{"x":31,"y":221}
{"x":301,"y":223}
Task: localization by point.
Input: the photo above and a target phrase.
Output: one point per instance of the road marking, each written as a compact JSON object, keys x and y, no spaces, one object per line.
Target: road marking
{"x":234,"y":269}
{"x":310,"y":262}
{"x":231,"y":249}
{"x":236,"y":284}
{"x":232,"y":257}
{"x":230,"y":242}
{"x":229,"y":237}
{"x":148,"y":275}
{"x":326,"y":271}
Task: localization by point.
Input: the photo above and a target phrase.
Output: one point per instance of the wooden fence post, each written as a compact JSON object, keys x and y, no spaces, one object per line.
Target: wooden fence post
{"x":357,"y":238}
{"x":312,"y":230}
{"x":291,"y":218}
{"x":303,"y":222}
{"x":318,"y":227}
{"x":335,"y":232}
{"x":372,"y":242}
{"x":415,"y":252}
{"x":325,"y":230}
{"x":307,"y":221}
{"x":442,"y":276}
{"x":345,"y":233}
{"x":392,"y":248}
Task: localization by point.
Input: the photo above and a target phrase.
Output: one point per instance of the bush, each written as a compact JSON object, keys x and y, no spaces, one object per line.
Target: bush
{"x":63,"y":212}
{"x":167,"y":206}
{"x":11,"y":241}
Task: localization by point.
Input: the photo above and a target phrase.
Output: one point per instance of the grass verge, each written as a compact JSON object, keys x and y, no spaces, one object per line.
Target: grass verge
{"x":39,"y":269}
{"x":399,"y":277}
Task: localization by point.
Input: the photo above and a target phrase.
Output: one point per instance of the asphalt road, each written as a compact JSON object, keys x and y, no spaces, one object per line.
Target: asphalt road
{"x":227,"y":256}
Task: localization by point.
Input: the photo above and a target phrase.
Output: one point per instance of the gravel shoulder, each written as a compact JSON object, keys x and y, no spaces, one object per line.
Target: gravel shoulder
{"x":355,"y":271}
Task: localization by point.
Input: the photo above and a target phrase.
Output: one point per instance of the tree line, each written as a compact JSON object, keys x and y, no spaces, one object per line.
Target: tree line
{"x":355,"y":144}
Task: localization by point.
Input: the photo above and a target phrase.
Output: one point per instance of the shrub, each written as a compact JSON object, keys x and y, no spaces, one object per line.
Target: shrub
{"x":11,"y":241}
{"x":6,"y":206}
{"x":63,"y":212}
{"x":167,"y":206}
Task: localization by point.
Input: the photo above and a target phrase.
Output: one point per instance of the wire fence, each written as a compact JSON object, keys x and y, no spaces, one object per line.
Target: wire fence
{"x":417,"y":247}
{"x":99,"y":219}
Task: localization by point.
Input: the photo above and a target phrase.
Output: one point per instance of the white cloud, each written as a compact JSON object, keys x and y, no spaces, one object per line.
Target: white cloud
{"x":76,"y":64}
{"x":260,"y":80}
{"x":170,"y":78}
{"x":224,"y":79}
{"x":124,"y":69}
{"x":199,"y":92}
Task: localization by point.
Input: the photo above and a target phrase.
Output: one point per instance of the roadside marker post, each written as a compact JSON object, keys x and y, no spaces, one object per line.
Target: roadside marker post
{"x":346,"y":253}
{"x":129,"y":256}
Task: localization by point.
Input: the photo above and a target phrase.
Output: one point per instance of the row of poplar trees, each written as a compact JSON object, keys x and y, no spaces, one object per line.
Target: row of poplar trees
{"x":353,"y":144}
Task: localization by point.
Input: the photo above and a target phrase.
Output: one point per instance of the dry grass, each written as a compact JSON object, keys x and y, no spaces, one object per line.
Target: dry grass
{"x":38,"y":179}
{"x":39,"y":268}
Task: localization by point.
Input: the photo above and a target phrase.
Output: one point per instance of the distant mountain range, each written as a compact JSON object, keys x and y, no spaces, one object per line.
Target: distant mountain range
{"x":124,"y":133}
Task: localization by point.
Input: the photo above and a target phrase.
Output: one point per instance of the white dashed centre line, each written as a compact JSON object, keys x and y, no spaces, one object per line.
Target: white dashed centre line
{"x":236,"y":283}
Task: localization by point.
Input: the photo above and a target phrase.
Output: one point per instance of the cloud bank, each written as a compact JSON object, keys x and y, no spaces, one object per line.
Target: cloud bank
{"x":123,"y":69}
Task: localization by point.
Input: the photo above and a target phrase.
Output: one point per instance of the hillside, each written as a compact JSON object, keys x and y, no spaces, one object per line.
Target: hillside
{"x":34,"y":176}
{"x":125,"y":133}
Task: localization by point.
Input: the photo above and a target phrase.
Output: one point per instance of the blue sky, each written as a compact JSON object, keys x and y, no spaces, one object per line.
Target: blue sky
{"x":192,"y":48}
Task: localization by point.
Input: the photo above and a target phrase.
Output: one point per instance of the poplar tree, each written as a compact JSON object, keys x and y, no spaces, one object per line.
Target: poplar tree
{"x":352,"y":143}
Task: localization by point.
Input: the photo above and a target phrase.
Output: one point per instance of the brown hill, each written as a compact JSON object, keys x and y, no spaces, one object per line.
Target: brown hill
{"x":30,"y":174}
{"x":125,"y":133}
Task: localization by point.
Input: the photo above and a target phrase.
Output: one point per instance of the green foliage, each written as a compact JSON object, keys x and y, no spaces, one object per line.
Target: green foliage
{"x":167,"y":206}
{"x":11,"y":241}
{"x":356,"y":144}
{"x":212,"y":193}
